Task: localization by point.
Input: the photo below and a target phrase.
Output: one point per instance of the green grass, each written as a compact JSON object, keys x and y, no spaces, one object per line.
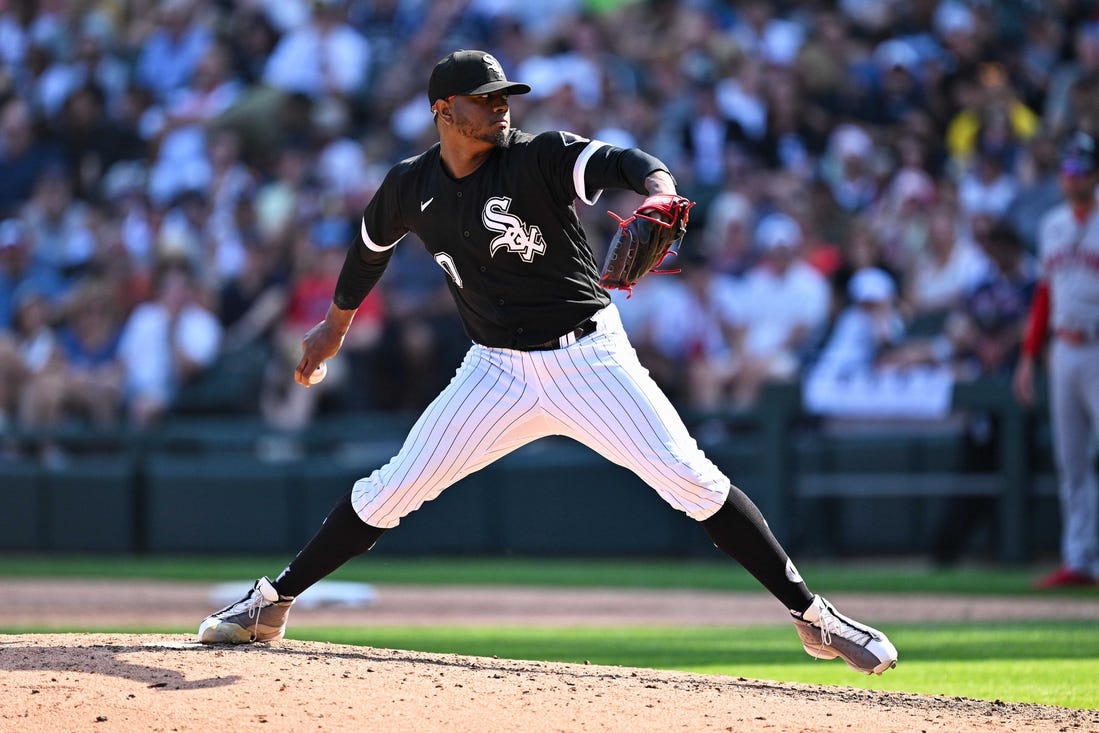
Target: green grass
{"x":1054,"y":663}
{"x":1048,"y":663}
{"x":694,"y":574}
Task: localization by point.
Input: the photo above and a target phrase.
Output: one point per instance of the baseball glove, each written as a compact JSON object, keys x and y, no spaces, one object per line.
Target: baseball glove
{"x":645,"y":240}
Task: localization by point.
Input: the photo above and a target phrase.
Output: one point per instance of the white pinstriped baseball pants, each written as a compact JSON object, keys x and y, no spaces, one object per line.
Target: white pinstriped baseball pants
{"x":594,"y":391}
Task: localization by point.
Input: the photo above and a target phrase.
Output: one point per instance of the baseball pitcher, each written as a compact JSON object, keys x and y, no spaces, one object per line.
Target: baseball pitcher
{"x":495,"y":207}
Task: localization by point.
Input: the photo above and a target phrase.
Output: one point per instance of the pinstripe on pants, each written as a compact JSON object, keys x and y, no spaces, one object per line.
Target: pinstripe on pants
{"x":594,"y":391}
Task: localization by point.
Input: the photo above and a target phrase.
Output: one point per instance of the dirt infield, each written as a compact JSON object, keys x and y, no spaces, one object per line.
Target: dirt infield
{"x":91,"y":604}
{"x":157,"y":682}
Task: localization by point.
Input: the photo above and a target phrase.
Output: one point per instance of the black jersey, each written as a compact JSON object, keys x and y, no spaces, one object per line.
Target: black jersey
{"x":508,"y":237}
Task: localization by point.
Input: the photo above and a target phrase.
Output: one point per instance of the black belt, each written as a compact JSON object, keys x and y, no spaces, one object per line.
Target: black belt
{"x":587,"y":327}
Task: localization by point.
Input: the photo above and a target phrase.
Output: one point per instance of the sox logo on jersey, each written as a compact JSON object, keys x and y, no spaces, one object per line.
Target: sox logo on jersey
{"x":515,"y":234}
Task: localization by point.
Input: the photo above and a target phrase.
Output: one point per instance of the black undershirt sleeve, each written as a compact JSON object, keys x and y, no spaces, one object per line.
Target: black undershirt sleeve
{"x":362,"y":268}
{"x":612,"y":167}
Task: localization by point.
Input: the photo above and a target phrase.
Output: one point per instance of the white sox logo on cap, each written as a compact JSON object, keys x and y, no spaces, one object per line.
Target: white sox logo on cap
{"x":470,"y":73}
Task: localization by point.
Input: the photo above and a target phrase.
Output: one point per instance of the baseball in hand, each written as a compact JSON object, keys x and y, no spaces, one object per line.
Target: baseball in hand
{"x":319,"y":373}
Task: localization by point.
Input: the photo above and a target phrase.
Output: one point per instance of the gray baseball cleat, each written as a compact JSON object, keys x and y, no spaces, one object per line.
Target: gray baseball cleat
{"x":826,"y":634}
{"x":259,"y":616}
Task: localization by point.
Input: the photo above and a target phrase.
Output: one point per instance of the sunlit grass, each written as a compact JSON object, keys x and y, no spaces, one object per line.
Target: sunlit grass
{"x":1053,"y":663}
{"x":715,"y":574}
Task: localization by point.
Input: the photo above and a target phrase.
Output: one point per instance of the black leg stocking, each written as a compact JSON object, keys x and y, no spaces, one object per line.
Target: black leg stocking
{"x":342,"y":536}
{"x":739,"y":530}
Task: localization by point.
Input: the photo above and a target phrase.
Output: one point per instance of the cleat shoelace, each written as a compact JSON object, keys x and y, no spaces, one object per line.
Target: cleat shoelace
{"x":830,"y":624}
{"x":250,"y":605}
{"x":255,"y":603}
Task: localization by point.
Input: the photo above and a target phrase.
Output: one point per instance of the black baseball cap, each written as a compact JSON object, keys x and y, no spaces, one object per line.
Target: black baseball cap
{"x":1078,"y":154}
{"x":470,"y":73}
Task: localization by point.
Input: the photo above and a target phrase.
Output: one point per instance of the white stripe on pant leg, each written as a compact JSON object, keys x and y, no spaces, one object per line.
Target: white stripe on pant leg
{"x":435,"y":444}
{"x":604,"y":398}
{"x":659,"y":448}
{"x":564,"y":369}
{"x":479,"y":417}
{"x":427,"y":462}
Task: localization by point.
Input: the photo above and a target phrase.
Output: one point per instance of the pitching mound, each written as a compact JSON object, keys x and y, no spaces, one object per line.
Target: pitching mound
{"x":155,"y":682}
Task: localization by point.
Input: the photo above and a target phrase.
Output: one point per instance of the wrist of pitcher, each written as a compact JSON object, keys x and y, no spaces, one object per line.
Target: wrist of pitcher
{"x":338,"y":320}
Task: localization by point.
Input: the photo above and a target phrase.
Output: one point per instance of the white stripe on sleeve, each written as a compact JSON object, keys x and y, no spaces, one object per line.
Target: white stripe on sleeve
{"x":370,"y":244}
{"x":578,"y":173}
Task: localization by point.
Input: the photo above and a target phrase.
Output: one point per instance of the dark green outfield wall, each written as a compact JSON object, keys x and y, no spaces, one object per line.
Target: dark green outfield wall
{"x":217,"y":485}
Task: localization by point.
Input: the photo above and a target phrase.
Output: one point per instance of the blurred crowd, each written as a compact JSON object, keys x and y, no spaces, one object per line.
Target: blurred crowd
{"x":179,"y":181}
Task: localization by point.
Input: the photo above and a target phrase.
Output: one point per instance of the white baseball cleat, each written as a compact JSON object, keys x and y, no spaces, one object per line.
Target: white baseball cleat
{"x":826,"y":634}
{"x":259,"y":616}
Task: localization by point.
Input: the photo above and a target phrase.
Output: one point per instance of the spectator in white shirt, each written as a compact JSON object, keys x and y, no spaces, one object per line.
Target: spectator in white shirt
{"x":326,"y":56}
{"x":783,"y":308}
{"x":181,"y":142}
{"x":987,"y":186}
{"x":171,"y":52}
{"x":167,"y":342}
{"x":945,"y":270}
{"x":866,"y":329}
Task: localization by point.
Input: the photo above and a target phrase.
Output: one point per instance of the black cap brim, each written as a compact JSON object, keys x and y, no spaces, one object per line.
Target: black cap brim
{"x":470,"y":73}
{"x":511,"y":87}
